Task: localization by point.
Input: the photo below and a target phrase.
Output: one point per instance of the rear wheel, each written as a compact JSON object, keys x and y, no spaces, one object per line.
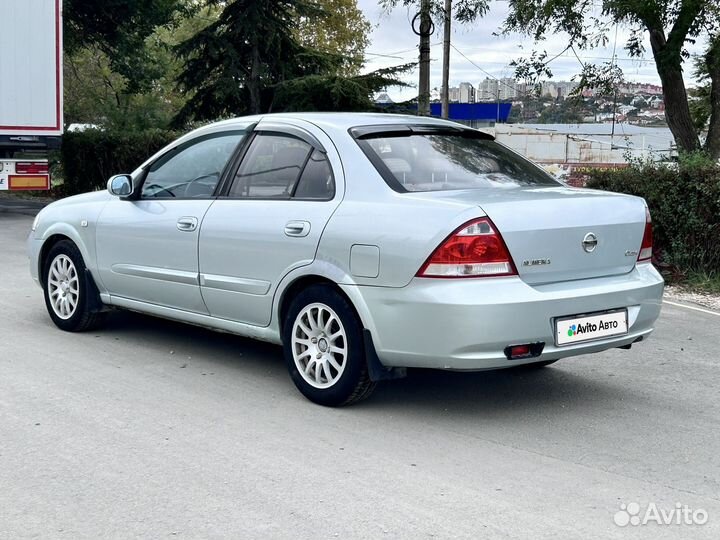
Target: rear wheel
{"x":322,"y":340}
{"x":67,"y":297}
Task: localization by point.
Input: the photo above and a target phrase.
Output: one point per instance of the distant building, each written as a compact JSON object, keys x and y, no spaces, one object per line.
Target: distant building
{"x":626,"y":109}
{"x":657,"y":103}
{"x":548,"y":89}
{"x":558,"y":89}
{"x":454,"y":94}
{"x":633,"y":89}
{"x":507,"y":89}
{"x":467,"y":93}
{"x":488,"y":90}
{"x":383,"y":98}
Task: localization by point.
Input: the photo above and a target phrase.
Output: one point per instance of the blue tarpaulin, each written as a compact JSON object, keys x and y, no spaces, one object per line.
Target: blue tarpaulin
{"x":475,"y":111}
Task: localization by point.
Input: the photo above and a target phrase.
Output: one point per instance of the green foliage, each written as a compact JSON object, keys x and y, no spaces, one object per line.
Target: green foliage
{"x":670,"y":26}
{"x":343,"y":31}
{"x":684,"y":200}
{"x":335,"y":93}
{"x":568,"y":111}
{"x":700,"y":107}
{"x":321,"y":93}
{"x":464,"y":11}
{"x":97,"y":94}
{"x":231,"y":64}
{"x":708,"y":282}
{"x":119,"y":28}
{"x":262,"y":55}
{"x":699,"y":97}
{"x":91,"y":157}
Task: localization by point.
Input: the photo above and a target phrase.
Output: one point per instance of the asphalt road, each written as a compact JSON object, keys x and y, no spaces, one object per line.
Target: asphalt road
{"x":154,"y":429}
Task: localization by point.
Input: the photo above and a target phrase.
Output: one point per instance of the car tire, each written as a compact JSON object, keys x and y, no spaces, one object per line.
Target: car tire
{"x":67,"y":295}
{"x":323,"y":348}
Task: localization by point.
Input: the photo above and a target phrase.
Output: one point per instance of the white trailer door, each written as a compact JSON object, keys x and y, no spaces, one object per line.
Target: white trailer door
{"x":30,"y":67}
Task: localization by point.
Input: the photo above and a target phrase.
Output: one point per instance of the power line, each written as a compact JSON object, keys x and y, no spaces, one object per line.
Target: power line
{"x":500,"y":81}
{"x":412,"y":50}
{"x":385,"y":55}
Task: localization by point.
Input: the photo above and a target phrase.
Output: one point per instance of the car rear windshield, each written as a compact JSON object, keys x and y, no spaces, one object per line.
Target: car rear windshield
{"x":437,"y":162}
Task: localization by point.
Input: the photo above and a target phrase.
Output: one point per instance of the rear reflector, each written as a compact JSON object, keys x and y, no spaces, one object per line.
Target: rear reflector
{"x":646,"y":248}
{"x":476,"y":249}
{"x":31,"y":167}
{"x":519,"y":350}
{"x":529,"y":350}
{"x":28,"y":182}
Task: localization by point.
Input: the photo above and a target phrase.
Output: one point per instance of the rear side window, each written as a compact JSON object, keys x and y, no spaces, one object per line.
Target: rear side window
{"x":437,"y":162}
{"x":316,"y":181}
{"x":271,"y":167}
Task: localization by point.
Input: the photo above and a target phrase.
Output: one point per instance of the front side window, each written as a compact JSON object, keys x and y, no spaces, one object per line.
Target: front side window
{"x":271,"y":167}
{"x":193,"y":169}
{"x":435,"y":162}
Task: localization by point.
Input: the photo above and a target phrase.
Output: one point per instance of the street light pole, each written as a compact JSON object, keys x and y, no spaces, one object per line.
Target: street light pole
{"x":424,"y":82}
{"x":446,"y":59}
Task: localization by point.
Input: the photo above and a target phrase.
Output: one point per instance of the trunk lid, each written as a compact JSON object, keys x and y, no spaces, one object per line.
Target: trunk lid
{"x":544,"y":228}
{"x":550,"y":231}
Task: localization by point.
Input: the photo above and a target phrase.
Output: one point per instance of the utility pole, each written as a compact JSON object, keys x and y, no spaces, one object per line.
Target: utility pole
{"x":424,"y":83}
{"x":446,"y":60}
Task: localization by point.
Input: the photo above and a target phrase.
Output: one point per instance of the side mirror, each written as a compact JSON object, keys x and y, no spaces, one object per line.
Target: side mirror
{"x":120,"y":185}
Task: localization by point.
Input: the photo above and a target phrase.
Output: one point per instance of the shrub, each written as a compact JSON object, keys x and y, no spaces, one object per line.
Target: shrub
{"x":684,"y":200}
{"x":90,"y":157}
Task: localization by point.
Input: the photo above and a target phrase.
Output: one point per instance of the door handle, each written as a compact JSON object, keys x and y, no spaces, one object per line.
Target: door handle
{"x":297,"y":228}
{"x":187,"y":224}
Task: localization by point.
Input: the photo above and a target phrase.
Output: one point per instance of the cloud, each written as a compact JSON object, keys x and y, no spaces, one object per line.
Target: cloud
{"x":393,"y":42}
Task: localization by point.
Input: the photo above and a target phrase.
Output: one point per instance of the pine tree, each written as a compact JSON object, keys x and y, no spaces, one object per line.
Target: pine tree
{"x":234,"y":63}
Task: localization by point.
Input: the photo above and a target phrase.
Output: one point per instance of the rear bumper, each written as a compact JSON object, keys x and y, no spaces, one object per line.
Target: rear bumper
{"x":466,"y":324}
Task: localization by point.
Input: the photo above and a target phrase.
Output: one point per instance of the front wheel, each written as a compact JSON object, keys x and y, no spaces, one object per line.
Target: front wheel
{"x":67,"y":295}
{"x":323,"y":346}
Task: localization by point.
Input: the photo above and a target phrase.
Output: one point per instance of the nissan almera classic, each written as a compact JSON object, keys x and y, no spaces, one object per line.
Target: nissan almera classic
{"x":363,"y":244}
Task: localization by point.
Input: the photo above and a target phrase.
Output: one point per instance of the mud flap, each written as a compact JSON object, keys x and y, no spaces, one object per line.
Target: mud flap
{"x":376,"y":370}
{"x":94,"y":303}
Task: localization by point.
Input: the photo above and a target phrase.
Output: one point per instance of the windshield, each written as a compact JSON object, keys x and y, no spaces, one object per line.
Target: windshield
{"x":435,"y":162}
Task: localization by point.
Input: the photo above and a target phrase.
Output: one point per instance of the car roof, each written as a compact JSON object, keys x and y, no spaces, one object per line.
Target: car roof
{"x":345,"y":120}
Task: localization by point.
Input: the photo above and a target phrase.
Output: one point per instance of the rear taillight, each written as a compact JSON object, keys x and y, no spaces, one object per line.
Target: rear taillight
{"x":646,"y":250}
{"x":29,"y":167}
{"x":474,"y":250}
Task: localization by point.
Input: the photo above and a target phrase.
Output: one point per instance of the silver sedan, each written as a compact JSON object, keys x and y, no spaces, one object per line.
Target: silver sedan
{"x":364,"y":244}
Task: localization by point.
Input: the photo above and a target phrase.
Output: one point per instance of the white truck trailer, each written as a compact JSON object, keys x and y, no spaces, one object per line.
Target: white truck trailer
{"x":31,"y":91}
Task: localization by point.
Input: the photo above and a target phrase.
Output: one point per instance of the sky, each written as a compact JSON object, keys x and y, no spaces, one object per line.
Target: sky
{"x":393,"y":42}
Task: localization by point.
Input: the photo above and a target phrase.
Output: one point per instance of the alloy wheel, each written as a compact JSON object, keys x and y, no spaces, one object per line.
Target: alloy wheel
{"x":63,"y":286}
{"x":319,"y":345}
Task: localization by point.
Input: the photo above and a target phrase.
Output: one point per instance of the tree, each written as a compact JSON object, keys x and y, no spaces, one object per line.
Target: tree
{"x":344,"y":31}
{"x":253,"y":59}
{"x":118,"y":29}
{"x":335,"y":92}
{"x":670,"y":25}
{"x":96,"y":94}
{"x":232,"y":62}
{"x":712,"y":65}
{"x":464,"y":11}
{"x":568,"y":111}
